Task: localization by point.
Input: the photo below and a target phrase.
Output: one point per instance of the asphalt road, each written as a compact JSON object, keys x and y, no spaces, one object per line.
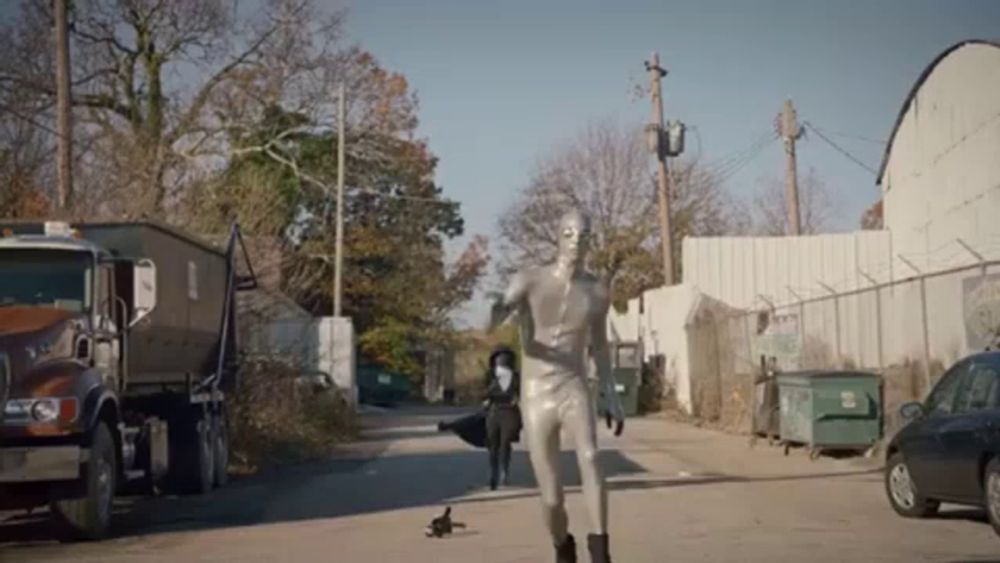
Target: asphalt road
{"x":677,"y":494}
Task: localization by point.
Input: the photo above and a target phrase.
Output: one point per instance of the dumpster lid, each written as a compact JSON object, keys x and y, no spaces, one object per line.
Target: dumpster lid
{"x":827,"y":374}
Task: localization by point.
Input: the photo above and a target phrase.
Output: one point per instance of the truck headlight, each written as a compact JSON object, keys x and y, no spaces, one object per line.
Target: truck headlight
{"x":40,"y":410}
{"x":45,"y":410}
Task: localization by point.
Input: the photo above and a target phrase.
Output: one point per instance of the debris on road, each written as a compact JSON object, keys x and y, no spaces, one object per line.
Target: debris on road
{"x":442,"y":525}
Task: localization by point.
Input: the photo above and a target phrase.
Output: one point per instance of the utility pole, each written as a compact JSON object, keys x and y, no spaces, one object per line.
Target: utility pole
{"x":64,"y":125}
{"x":339,"y":251}
{"x":791,"y":132}
{"x":663,"y":180}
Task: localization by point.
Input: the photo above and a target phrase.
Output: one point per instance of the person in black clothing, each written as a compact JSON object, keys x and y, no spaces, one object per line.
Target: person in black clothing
{"x":503,"y":417}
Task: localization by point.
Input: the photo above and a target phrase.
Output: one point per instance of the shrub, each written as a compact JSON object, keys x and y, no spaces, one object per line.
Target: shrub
{"x":273,"y":421}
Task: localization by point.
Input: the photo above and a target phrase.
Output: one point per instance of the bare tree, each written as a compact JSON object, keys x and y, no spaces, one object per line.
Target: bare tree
{"x":146,"y":76}
{"x":768,"y":210}
{"x":606,"y":172}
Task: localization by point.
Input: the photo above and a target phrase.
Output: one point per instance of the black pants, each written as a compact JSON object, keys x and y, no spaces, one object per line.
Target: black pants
{"x":502,"y":425}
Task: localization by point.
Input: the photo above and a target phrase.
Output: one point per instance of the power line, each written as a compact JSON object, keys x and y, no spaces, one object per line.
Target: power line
{"x":735,"y":167}
{"x":839,"y":149}
{"x":725,"y":162}
{"x":852,"y":136}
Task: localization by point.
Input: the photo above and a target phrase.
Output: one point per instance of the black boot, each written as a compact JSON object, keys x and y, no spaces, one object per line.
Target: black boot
{"x":566,"y":551}
{"x":598,"y":547}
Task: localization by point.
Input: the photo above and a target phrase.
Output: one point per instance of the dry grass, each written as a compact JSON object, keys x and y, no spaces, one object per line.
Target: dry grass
{"x":273,"y":423}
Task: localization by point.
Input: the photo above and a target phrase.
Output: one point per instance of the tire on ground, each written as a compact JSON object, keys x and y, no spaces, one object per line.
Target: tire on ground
{"x":191,"y":453}
{"x":87,"y":516}
{"x":991,"y":491}
{"x":921,"y":506}
{"x":220,"y":450}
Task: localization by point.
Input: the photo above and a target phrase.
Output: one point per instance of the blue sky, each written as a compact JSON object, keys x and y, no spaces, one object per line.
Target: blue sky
{"x":501,"y":83}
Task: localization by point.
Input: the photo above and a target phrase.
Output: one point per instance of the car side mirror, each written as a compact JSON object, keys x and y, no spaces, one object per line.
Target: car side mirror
{"x":144,"y":290}
{"x":912,"y":411}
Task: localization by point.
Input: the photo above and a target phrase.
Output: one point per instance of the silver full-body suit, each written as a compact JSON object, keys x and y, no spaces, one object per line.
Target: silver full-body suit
{"x":562,"y":310}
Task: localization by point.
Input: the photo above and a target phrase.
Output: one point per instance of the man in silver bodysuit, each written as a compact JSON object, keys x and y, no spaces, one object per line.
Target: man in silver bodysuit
{"x":561,"y":310}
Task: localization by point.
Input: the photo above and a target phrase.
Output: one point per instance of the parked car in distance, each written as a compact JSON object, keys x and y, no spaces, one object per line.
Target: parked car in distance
{"x":313,"y":382}
{"x":949,"y":450}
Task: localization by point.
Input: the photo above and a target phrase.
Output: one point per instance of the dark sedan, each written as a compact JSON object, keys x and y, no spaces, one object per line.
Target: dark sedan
{"x":950,"y":449}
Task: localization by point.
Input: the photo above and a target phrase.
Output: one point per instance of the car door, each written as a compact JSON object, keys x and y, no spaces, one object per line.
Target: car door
{"x":922,"y":447}
{"x":963,"y":436}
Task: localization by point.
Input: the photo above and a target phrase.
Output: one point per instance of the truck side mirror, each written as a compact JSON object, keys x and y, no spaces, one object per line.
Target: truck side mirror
{"x":144,"y":290}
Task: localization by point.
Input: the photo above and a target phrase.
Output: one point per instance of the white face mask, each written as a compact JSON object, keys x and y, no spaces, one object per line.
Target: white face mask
{"x":504,"y":376}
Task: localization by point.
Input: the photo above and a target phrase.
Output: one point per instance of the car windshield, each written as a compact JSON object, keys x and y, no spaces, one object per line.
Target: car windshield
{"x":46,"y":278}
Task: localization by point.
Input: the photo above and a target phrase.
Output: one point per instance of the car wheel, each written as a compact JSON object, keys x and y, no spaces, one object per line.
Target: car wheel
{"x":903,"y":495}
{"x":991,"y":488}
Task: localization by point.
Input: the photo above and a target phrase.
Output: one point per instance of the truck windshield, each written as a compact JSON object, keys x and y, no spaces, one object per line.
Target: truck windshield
{"x":46,"y":278}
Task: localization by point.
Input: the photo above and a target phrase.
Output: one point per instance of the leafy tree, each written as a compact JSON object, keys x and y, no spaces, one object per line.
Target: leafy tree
{"x":200,"y":114}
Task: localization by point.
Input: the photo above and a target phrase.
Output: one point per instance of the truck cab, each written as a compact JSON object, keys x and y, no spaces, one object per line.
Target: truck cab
{"x":77,"y":335}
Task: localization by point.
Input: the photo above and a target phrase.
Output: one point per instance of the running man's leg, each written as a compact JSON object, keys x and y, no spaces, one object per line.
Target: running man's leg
{"x":580,"y":418}
{"x":541,"y":425}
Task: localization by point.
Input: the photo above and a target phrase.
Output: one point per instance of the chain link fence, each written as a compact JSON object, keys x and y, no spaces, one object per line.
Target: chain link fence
{"x":908,"y":331}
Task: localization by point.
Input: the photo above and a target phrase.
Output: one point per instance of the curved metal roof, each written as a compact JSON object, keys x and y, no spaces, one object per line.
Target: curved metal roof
{"x":916,"y":88}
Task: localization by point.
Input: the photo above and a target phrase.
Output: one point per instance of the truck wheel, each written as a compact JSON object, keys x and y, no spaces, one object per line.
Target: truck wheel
{"x":89,"y":517}
{"x":903,"y":495}
{"x":192,"y":452}
{"x":220,"y":434}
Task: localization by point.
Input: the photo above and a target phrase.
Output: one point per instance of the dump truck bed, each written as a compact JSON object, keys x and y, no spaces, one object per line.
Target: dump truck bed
{"x":181,"y":337}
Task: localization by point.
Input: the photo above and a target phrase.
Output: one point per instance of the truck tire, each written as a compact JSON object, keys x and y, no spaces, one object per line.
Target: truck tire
{"x":88,"y":517}
{"x":192,"y":454}
{"x":220,"y":441}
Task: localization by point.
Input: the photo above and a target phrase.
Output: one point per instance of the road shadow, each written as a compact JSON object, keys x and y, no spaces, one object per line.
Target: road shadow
{"x":641,"y":484}
{"x":331,"y":489}
{"x":968,"y":514}
{"x":352,"y":487}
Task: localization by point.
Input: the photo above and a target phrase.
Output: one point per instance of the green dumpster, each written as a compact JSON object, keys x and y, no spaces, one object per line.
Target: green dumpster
{"x":381,"y":387}
{"x":626,"y":366}
{"x":830,"y":410}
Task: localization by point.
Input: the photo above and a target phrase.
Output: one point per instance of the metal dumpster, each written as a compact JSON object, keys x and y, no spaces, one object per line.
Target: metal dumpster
{"x":830,"y":410}
{"x":378,"y":386}
{"x":626,"y":366}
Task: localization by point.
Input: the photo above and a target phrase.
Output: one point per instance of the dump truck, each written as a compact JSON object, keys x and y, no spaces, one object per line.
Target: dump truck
{"x":117,"y":350}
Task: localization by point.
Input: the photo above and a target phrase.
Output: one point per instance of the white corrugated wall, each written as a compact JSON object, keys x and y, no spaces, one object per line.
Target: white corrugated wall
{"x":749,"y":272}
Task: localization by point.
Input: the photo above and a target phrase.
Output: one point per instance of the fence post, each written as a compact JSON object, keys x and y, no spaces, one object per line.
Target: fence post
{"x":923,"y":320}
{"x":749,"y":337}
{"x":802,"y":325}
{"x":718,"y":368}
{"x":878,"y":318}
{"x":836,"y":317}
